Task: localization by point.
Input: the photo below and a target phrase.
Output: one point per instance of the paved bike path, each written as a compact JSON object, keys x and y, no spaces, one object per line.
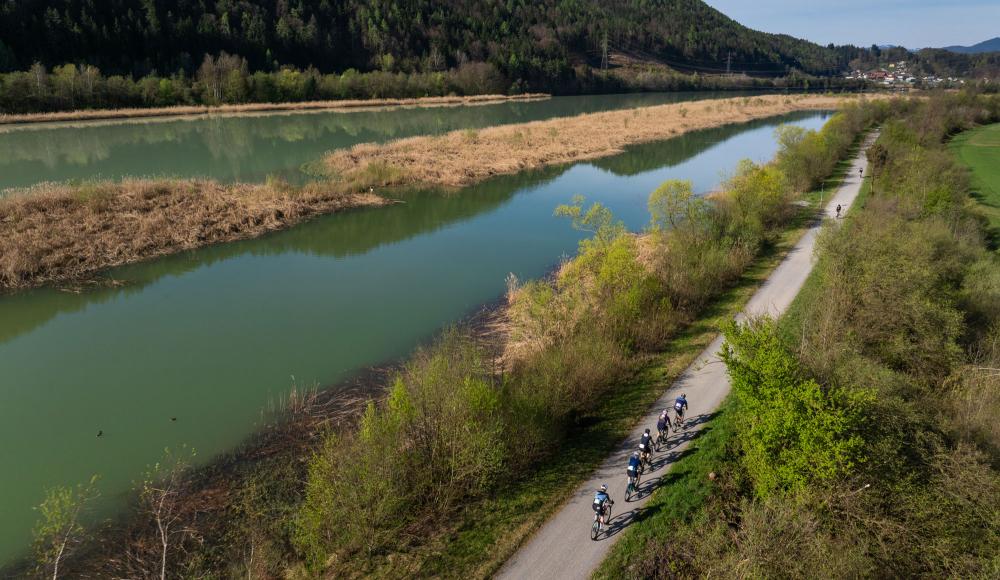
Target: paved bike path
{"x":562,"y":548}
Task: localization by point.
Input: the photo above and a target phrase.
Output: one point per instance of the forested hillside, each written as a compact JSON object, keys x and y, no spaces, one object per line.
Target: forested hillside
{"x":523,"y":38}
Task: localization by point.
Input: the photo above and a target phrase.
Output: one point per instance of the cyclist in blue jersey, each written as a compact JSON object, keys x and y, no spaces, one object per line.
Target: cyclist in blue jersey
{"x":681,"y":405}
{"x":633,"y":467}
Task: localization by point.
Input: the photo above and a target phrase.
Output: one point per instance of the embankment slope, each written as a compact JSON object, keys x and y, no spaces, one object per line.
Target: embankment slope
{"x":562,"y":548}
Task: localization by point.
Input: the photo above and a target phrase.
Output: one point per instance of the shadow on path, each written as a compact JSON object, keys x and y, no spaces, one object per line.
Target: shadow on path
{"x":623,"y":520}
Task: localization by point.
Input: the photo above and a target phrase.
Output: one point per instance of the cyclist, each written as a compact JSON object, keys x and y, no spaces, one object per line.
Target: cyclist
{"x":633,"y":468}
{"x":838,"y":210}
{"x":645,"y":446}
{"x":601,"y":502}
{"x":662,"y":424}
{"x":680,"y":405}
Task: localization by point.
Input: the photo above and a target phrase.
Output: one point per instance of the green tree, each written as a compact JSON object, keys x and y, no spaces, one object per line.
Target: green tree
{"x":792,"y":431}
{"x":672,"y":203}
{"x":65,"y":79}
{"x":60,"y":531}
{"x":597,"y":219}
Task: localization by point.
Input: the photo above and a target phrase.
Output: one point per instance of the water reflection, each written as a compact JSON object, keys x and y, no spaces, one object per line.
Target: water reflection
{"x":358,"y":231}
{"x":250,"y":147}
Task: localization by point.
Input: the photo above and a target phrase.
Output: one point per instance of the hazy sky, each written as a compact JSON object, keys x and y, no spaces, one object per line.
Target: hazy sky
{"x":910,"y":23}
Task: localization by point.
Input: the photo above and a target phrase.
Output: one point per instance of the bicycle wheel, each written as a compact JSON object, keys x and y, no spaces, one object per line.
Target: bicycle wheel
{"x":595,"y":529}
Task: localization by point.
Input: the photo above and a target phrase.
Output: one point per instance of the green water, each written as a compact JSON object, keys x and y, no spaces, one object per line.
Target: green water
{"x":212,"y":336}
{"x":251,"y":147}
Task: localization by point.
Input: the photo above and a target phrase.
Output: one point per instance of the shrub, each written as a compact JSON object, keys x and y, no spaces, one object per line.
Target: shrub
{"x":437,"y":440}
{"x":792,"y":431}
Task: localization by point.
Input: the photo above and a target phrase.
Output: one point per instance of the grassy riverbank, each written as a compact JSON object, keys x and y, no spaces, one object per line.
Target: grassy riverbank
{"x":42,"y":241}
{"x":888,"y":353}
{"x":235,"y":109}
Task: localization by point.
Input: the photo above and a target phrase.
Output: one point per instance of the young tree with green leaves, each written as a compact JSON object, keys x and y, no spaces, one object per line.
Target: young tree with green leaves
{"x":60,"y":531}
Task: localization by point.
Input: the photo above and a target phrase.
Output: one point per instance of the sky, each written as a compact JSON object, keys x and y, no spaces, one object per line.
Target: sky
{"x":909,"y":23}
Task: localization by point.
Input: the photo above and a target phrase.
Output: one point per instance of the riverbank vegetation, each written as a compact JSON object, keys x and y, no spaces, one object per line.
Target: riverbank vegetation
{"x":860,"y":441}
{"x":424,"y":481}
{"x":57,"y":232}
{"x":71,"y":231}
{"x":463,"y":157}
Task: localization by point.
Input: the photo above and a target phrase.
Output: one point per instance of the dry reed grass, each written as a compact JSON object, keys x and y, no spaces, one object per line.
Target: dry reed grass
{"x":461,"y":158}
{"x":60,"y":232}
{"x":54,"y":232}
{"x":179,"y":111}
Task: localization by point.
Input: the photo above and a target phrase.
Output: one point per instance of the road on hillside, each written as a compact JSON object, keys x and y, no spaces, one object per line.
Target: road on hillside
{"x":562,"y":548}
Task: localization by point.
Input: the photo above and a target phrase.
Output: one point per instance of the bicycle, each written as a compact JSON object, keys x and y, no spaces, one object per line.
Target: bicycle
{"x":600,"y":520}
{"x":661,"y":438}
{"x":645,"y":460}
{"x":678,"y":422}
{"x":632,"y":487}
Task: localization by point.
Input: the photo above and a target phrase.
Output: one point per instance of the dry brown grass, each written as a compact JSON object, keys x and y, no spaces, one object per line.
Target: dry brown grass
{"x":53,"y":232}
{"x":56,"y":232}
{"x":101,"y":114}
{"x":461,"y":158}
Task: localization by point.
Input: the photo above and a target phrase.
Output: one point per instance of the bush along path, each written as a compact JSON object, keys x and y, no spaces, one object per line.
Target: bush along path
{"x":562,"y":548}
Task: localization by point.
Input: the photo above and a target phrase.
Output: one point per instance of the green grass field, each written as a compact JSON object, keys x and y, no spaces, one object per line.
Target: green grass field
{"x":980,"y":150}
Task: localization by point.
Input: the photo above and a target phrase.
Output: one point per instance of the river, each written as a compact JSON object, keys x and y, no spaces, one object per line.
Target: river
{"x":192,"y":347}
{"x":250,"y":147}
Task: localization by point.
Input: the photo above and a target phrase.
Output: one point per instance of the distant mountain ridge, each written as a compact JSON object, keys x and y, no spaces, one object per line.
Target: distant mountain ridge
{"x":991,"y":45}
{"x":528,"y":39}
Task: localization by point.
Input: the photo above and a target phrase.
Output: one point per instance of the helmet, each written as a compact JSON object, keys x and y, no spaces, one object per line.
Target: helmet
{"x":635,"y":454}
{"x":684,"y":395}
{"x":604,"y":487}
{"x":647,"y":431}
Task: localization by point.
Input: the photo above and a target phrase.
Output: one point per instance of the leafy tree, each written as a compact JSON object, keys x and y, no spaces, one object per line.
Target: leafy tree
{"x":597,"y":219}
{"x":60,"y":530}
{"x":793,"y":431}
{"x":672,"y":203}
